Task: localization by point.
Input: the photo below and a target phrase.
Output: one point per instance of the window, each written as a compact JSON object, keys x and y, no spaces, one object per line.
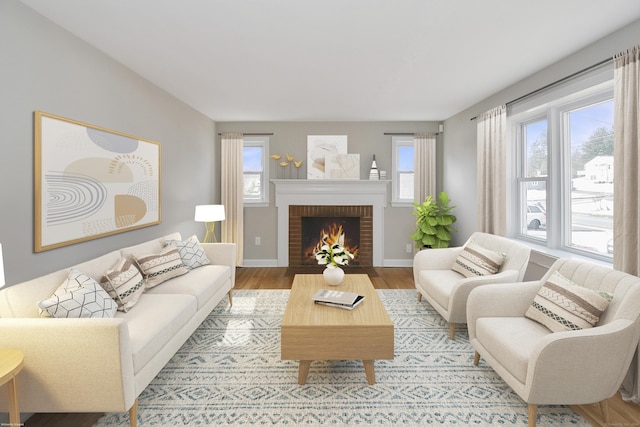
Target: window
{"x":255,"y":170}
{"x":402,"y":171}
{"x":562,"y":195}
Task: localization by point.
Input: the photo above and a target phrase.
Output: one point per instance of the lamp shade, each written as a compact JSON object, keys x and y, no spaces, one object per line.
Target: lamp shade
{"x":1,"y":268}
{"x":209,"y":213}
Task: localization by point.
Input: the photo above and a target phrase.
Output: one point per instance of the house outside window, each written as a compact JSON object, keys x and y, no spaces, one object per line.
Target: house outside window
{"x":255,"y":166}
{"x":562,"y":192}
{"x":402,"y":170}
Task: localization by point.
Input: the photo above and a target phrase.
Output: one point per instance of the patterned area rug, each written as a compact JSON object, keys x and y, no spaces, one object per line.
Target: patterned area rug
{"x":229,"y":373}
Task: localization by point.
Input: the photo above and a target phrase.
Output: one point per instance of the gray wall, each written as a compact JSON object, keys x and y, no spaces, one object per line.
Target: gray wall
{"x":459,"y":146}
{"x":46,"y":68}
{"x":365,"y":138}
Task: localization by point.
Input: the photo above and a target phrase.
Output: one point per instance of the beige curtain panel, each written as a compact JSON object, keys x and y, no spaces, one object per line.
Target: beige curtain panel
{"x":424,"y":166}
{"x":232,"y":182}
{"x":492,"y":165}
{"x":626,"y":158}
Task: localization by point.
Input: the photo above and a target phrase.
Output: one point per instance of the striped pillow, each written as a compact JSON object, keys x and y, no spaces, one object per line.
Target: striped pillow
{"x":475,"y":260}
{"x":158,"y":268}
{"x":124,"y":284}
{"x":562,"y":305}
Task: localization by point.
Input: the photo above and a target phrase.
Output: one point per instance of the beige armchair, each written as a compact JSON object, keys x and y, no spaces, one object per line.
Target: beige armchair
{"x":447,"y":290}
{"x":557,"y":368}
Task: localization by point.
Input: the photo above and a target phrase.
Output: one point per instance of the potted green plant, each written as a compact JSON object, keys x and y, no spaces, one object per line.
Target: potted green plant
{"x":433,"y":222}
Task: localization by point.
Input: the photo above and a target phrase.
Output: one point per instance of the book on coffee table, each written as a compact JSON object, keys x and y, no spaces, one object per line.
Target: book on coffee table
{"x":346,"y":300}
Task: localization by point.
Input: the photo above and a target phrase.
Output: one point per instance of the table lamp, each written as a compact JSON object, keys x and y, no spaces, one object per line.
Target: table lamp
{"x":209,"y":214}
{"x":2,"y":283}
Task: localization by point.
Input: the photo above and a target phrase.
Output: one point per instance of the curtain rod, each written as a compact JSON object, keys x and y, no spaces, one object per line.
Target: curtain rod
{"x":408,"y":133}
{"x":253,"y":134}
{"x":564,"y":79}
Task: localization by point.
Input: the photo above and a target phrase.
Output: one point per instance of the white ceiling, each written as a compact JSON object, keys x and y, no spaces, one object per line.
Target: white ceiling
{"x":325,"y":60}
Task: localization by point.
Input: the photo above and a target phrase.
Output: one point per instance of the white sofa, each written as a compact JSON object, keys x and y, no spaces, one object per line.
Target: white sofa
{"x":103,"y":364}
{"x":447,"y":290}
{"x":571,"y":367}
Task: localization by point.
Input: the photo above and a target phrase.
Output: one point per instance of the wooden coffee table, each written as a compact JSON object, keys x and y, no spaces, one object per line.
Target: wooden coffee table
{"x":315,"y":332}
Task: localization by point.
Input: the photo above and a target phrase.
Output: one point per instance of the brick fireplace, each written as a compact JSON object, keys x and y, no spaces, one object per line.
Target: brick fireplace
{"x":296,"y":198}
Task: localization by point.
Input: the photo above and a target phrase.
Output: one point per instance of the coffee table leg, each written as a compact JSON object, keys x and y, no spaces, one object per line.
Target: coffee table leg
{"x":14,"y":411}
{"x":303,"y":371}
{"x":369,"y":370}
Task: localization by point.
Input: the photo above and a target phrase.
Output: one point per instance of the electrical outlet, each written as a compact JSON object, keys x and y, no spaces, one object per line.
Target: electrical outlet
{"x":258,"y":241}
{"x":409,"y":248}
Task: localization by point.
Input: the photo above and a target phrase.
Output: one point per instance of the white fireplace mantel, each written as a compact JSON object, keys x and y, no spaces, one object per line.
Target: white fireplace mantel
{"x":316,"y":192}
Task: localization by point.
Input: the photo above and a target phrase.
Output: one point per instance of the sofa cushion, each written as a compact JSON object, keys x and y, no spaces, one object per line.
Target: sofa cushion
{"x":562,"y":305}
{"x":79,"y":296}
{"x":439,"y":284}
{"x":124,"y":284}
{"x":161,"y":266}
{"x":476,"y":260}
{"x":511,"y":341}
{"x":191,"y":252}
{"x":202,"y":283}
{"x":154,"y":322}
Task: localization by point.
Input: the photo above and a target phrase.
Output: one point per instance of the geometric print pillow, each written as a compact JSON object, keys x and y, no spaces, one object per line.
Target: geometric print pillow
{"x":124,"y":284}
{"x":191,"y":252}
{"x":562,"y":305}
{"x":158,"y":268}
{"x":475,"y":260}
{"x":79,"y":296}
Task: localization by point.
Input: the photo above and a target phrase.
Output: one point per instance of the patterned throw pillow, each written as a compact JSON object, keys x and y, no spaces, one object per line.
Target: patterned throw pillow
{"x":79,"y":296}
{"x":191,"y":252}
{"x":124,"y":284}
{"x":158,"y":268}
{"x":475,"y":260}
{"x":562,"y":305}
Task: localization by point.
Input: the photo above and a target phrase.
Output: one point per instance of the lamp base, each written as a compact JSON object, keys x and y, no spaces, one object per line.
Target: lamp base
{"x":210,"y":235}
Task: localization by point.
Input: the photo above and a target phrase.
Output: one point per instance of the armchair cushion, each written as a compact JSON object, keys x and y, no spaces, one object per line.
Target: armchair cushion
{"x":562,"y":305}
{"x":476,"y":260}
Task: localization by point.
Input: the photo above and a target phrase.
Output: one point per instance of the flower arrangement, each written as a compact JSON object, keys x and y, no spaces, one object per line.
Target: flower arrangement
{"x":333,"y":255}
{"x":290,"y":160}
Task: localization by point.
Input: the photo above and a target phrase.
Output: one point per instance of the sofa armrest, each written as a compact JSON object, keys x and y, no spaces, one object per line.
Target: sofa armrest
{"x":222,"y":254}
{"x":72,"y":365}
{"x":595,"y":373}
{"x":434,"y":259}
{"x":460,"y":292}
{"x":499,"y":300}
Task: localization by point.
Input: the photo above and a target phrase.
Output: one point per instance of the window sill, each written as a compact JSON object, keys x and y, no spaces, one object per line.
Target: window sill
{"x":559,"y":253}
{"x":256,"y":204}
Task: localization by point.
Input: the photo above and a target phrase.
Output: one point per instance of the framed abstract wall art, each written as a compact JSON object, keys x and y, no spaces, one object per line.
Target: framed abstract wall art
{"x":318,"y":146}
{"x":91,"y":182}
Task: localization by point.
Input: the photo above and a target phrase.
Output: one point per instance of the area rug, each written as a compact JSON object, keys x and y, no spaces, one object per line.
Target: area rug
{"x":229,"y":373}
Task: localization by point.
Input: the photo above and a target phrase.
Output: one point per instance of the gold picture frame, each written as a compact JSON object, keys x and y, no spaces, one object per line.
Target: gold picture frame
{"x":91,"y":182}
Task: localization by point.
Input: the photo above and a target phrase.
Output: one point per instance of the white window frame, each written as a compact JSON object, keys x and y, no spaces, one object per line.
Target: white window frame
{"x":397,"y":142}
{"x":588,"y":89}
{"x":263,"y":142}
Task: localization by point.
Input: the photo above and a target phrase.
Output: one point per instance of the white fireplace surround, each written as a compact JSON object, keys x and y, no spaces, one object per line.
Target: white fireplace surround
{"x":317,"y":192}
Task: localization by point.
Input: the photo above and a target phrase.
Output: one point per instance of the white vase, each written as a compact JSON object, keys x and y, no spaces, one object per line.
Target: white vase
{"x":333,"y":276}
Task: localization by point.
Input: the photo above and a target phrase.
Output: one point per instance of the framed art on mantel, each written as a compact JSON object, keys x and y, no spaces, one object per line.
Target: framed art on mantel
{"x":91,"y":182}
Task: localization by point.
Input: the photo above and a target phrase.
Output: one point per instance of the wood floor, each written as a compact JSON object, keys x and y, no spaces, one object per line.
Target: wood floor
{"x":623,"y":414}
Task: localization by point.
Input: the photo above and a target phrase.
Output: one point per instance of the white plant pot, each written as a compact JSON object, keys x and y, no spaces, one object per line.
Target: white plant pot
{"x":333,"y":276}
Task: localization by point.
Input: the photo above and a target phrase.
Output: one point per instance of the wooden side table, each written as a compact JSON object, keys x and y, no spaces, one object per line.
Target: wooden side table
{"x":11,"y":362}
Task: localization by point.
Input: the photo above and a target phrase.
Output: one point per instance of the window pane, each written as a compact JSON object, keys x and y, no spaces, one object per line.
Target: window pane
{"x":405,"y":159}
{"x":591,"y":139}
{"x":405,"y":185}
{"x":252,"y":186}
{"x":252,"y":159}
{"x":535,"y":135}
{"x":533,"y":208}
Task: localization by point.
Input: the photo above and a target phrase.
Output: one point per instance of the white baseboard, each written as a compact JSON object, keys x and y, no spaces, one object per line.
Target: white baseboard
{"x":260,"y":263}
{"x":398,"y":262}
